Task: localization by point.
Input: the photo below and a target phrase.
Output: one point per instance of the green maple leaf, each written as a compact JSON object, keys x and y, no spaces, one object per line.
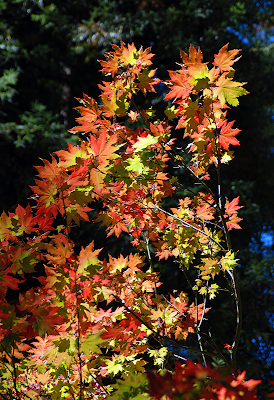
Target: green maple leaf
{"x":60,"y":390}
{"x":170,"y":112}
{"x":122,"y":106}
{"x":228,"y":91}
{"x":90,"y":345}
{"x":144,"y":142}
{"x":159,"y":355}
{"x":228,"y":261}
{"x":134,"y":387}
{"x":115,"y":366}
{"x":213,"y":290}
{"x":150,"y":113}
{"x":79,"y":196}
{"x":63,"y":344}
{"x":135,"y":164}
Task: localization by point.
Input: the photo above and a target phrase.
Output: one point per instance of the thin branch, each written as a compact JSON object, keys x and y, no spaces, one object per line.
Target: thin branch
{"x":78,"y":336}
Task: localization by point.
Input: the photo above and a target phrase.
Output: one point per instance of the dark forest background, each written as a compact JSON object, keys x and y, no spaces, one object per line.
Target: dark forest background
{"x":48,"y":57}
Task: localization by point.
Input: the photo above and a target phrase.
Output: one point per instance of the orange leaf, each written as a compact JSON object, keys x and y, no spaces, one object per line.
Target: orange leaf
{"x":232,"y":207}
{"x":225,"y":59}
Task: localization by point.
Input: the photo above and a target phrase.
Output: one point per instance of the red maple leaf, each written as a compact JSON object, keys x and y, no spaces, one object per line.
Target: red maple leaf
{"x":104,"y":148}
{"x":227,"y":135}
{"x":180,"y":87}
{"x":46,"y":192}
{"x":50,"y":170}
{"x":117,"y":332}
{"x":24,"y":220}
{"x":60,"y":251}
{"x":231,"y":213}
{"x":8,"y":281}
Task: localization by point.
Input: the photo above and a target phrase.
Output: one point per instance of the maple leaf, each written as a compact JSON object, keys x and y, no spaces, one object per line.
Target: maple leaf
{"x":60,"y":250}
{"x":88,"y":260}
{"x":144,"y":142}
{"x":210,"y":267}
{"x":194,"y":57}
{"x":24,"y":220}
{"x":228,"y":261}
{"x":124,"y":56}
{"x":73,"y":156}
{"x":104,"y":314}
{"x":146,"y":81}
{"x":200,"y":77}
{"x":117,"y":228}
{"x":112,"y":64}
{"x":91,"y":344}
{"x":232,"y":207}
{"x":76,"y":212}
{"x":170,"y":112}
{"x":205,"y":212}
{"x":90,"y":113}
{"x":252,"y":384}
{"x":117,"y":264}
{"x":46,"y":192}
{"x":8,"y":281}
{"x":189,"y":119}
{"x":225,"y":59}
{"x":23,"y":260}
{"x":145,"y":57}
{"x":19,"y":348}
{"x":116,"y":332}
{"x":163,"y":250}
{"x":232,"y":222}
{"x":227,"y":135}
{"x":114,"y":366}
{"x":133,"y":384}
{"x":47,"y":320}
{"x":226,"y":157}
{"x":104,"y":148}
{"x":180,"y":87}
{"x":50,"y":170}
{"x":6,"y":226}
{"x":228,"y":90}
{"x":129,"y":54}
{"x":133,"y":115}
{"x":86,"y":122}
{"x":135,"y":164}
{"x":109,"y":89}
{"x":97,"y":180}
{"x":110,"y":106}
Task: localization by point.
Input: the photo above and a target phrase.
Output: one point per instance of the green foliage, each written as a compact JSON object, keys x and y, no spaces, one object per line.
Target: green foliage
{"x":7,"y":81}
{"x":35,"y":125}
{"x":133,"y":386}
